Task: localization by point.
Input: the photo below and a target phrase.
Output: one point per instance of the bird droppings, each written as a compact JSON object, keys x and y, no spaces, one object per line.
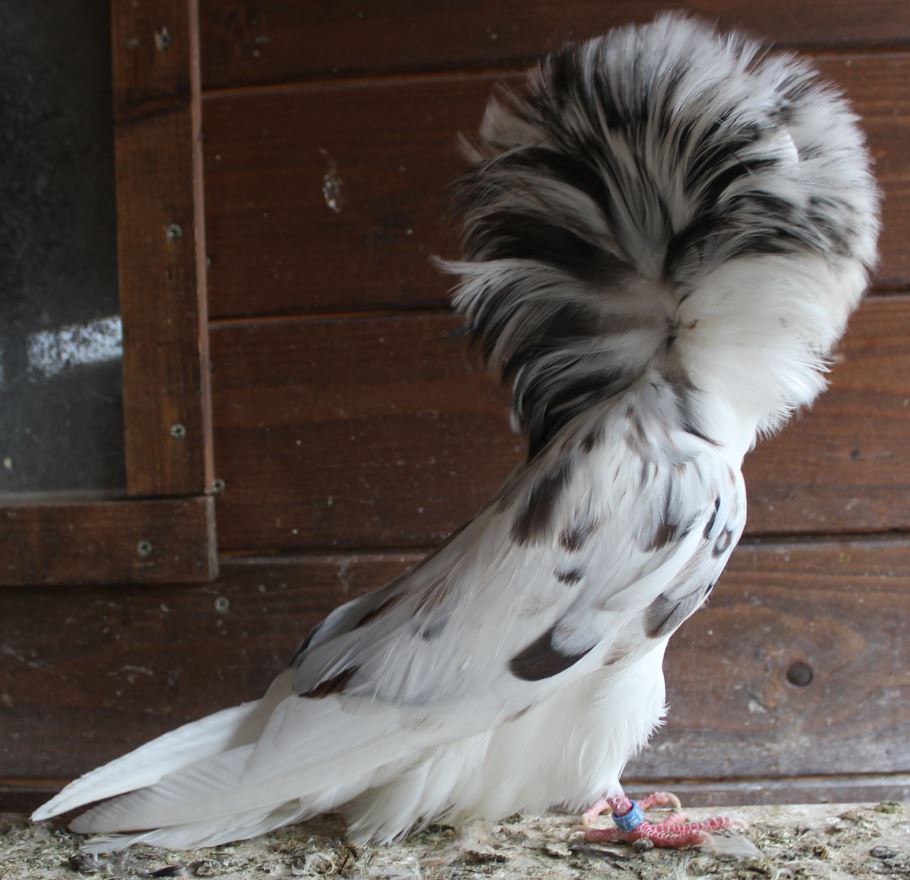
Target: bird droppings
{"x":819,"y":842}
{"x":332,"y":185}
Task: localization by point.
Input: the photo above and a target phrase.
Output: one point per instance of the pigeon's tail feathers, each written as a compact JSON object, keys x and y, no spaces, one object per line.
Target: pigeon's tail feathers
{"x":207,"y":832}
{"x":606,"y":199}
{"x":171,"y":752}
{"x":149,"y":763}
{"x":313,"y":755}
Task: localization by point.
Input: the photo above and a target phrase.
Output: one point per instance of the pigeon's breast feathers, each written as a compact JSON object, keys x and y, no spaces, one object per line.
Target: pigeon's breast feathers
{"x":665,"y":204}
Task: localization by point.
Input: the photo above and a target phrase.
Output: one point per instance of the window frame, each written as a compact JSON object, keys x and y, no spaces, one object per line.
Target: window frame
{"x":162,"y":529}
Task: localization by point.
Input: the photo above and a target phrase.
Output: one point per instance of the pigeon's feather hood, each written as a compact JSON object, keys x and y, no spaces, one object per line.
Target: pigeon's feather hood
{"x":665,"y":199}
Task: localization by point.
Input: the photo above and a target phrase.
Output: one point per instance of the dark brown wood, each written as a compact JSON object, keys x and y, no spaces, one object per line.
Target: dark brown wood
{"x":257,"y":41}
{"x":382,"y":152}
{"x":780,"y":790}
{"x":841,"y":609}
{"x":383,"y":431}
{"x":333,"y":196}
{"x":877,"y":87}
{"x":843,"y":466}
{"x":160,"y":247}
{"x":353,"y":432}
{"x":86,"y":674}
{"x":142,"y":541}
{"x":23,"y":796}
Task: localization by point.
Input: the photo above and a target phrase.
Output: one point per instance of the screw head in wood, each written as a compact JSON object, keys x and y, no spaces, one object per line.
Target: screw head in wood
{"x":144,"y":549}
{"x":178,"y":431}
{"x":173,"y":231}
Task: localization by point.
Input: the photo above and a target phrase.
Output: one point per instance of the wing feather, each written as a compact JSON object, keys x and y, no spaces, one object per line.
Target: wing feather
{"x":536,"y":590}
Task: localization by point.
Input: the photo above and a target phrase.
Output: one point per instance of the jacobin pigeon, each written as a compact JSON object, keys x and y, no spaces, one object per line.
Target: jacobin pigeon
{"x":665,"y":233}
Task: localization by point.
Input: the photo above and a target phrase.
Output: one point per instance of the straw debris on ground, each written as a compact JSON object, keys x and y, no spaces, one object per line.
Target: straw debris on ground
{"x":781,"y":843}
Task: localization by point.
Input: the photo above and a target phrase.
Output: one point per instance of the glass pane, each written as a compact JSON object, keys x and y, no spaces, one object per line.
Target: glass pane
{"x":61,"y":422}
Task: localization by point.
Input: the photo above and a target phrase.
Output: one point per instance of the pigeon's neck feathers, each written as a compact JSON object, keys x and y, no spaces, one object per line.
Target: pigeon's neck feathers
{"x":756,"y":339}
{"x":740,"y":351}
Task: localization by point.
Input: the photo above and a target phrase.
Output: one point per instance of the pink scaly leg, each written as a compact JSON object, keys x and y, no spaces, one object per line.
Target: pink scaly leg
{"x":673,"y":832}
{"x":622,"y":804}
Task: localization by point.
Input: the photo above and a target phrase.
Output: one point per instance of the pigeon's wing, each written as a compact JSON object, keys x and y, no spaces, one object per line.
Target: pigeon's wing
{"x":585,"y":547}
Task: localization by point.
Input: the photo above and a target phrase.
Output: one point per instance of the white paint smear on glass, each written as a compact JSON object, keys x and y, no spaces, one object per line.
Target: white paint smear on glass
{"x":53,"y":351}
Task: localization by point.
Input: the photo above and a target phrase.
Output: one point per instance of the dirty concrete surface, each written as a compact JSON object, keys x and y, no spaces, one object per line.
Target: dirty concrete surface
{"x":818,"y":842}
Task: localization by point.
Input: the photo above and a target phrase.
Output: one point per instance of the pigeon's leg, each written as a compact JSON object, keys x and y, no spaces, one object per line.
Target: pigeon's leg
{"x":631,"y":825}
{"x":621,"y":803}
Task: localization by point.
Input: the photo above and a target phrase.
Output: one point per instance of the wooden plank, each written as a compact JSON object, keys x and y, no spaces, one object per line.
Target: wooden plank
{"x":779,"y":790}
{"x":26,"y":795}
{"x":160,"y":246}
{"x":843,"y":466}
{"x":148,"y":541}
{"x":842,"y":610}
{"x":383,"y":431}
{"x":86,"y":674}
{"x":333,"y":197}
{"x":877,"y":86}
{"x":282,"y":40}
{"x":351,"y":433}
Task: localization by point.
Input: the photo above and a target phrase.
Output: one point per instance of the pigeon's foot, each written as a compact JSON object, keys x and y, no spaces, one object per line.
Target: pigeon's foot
{"x":673,"y":832}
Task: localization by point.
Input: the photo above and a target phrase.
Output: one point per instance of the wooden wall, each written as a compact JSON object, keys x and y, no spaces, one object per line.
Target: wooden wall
{"x":353,"y":429}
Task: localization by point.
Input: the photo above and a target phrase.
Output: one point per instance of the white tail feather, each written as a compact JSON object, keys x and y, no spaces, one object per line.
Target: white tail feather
{"x":173,"y":751}
{"x":209,"y":832}
{"x":332,"y":754}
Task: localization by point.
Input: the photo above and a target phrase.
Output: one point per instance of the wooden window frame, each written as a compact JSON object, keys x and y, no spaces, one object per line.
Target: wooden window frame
{"x":163,"y":529}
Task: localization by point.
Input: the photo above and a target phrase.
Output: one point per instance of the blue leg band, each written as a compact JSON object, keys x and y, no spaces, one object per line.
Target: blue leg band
{"x":631,"y":820}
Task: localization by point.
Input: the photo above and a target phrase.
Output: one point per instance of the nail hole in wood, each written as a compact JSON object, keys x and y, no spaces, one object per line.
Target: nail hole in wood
{"x":800,"y":674}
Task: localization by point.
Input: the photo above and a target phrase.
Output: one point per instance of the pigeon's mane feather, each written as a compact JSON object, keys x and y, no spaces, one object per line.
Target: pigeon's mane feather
{"x":630,"y":171}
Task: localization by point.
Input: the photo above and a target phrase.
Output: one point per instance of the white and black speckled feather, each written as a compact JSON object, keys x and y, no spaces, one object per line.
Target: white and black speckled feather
{"x":664,"y":236}
{"x":634,"y":169}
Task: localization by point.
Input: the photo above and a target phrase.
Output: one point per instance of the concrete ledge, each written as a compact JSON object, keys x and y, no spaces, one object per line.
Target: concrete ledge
{"x":818,"y":842}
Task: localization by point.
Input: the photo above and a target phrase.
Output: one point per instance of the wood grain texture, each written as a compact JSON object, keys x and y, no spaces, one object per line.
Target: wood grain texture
{"x":834,"y":789}
{"x":142,"y":541}
{"x":160,"y":246}
{"x":333,"y":196}
{"x":86,"y":674}
{"x":262,"y":41}
{"x":841,"y":609}
{"x":382,"y":431}
{"x":26,"y":795}
{"x":843,"y":466}
{"x":353,"y":432}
